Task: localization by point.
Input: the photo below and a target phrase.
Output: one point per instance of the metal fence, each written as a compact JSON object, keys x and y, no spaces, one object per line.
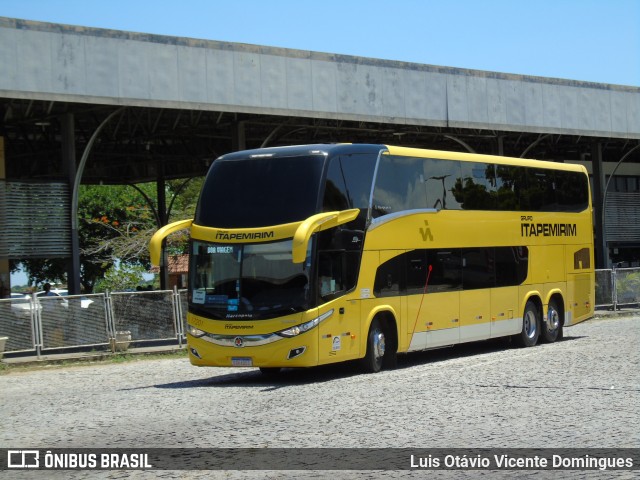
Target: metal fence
{"x":617,"y":288}
{"x":114,"y":321}
{"x":111,"y":321}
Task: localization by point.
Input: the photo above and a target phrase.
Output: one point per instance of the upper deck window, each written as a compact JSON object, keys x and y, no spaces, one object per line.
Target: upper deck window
{"x":406,"y":183}
{"x":255,"y":192}
{"x":348,"y":182}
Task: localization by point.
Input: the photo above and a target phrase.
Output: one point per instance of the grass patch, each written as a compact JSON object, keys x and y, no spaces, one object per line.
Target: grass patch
{"x":91,"y":359}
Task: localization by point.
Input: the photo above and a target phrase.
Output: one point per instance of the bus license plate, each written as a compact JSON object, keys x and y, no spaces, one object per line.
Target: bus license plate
{"x":242,"y":361}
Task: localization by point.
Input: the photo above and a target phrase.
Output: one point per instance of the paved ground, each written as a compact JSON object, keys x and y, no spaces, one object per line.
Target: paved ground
{"x":582,"y":392}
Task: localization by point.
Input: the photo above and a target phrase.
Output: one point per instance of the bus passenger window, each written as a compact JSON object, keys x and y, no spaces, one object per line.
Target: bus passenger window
{"x":399,"y":185}
{"x":446,"y":274}
{"x":387,"y":281}
{"x":476,"y":188}
{"x":348,"y":183}
{"x":440,"y":177}
{"x":337,"y":272}
{"x":478,"y":268}
{"x":416,"y":271}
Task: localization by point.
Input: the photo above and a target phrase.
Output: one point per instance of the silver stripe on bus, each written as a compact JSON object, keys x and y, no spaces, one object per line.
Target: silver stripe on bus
{"x":247,"y":340}
{"x":376,"y":222}
{"x":470,"y":333}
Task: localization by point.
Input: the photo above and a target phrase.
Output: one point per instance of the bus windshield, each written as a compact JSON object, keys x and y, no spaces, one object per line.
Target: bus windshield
{"x":254,"y":192}
{"x":255,"y":281}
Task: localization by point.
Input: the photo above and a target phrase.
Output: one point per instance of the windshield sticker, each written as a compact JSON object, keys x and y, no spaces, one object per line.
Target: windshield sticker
{"x":199,"y":296}
{"x":217,"y":299}
{"x":219,"y":249}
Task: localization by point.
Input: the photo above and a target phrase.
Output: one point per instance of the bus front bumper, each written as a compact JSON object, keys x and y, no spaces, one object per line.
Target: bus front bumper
{"x":299,"y":351}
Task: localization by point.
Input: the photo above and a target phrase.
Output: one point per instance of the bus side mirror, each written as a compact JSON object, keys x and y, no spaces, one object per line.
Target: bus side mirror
{"x":155,"y":245}
{"x":317,"y":223}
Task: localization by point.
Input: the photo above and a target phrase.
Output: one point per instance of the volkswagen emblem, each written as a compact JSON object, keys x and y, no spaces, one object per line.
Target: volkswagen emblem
{"x":238,"y":342}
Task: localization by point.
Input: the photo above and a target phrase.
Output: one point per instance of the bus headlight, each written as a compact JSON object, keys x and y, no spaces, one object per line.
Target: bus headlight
{"x":304,"y":327}
{"x":195,"y":332}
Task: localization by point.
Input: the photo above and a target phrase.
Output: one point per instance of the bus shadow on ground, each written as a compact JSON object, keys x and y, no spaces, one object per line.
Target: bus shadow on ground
{"x":291,"y":377}
{"x":463,"y":350}
{"x":287,"y":377}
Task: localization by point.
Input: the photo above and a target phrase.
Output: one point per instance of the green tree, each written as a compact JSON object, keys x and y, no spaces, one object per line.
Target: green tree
{"x":115,"y":224}
{"x":123,"y":278}
{"x":108,"y":218}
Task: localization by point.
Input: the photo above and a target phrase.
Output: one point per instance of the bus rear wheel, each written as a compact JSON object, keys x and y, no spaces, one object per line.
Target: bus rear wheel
{"x":528,"y":337}
{"x":377,"y":351}
{"x":552,"y":327}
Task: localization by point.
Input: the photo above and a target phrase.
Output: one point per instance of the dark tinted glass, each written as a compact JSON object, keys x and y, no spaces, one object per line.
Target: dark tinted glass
{"x":446,"y":270}
{"x":540,"y":193}
{"x":416,"y":268}
{"x":408,"y":273}
{"x":405,"y":183}
{"x":510,"y":181}
{"x":572,"y":191}
{"x":349,"y":182}
{"x":453,"y":269}
{"x":337,"y":272}
{"x":512,"y":265}
{"x":388,"y":281}
{"x":441,"y":177}
{"x":539,"y":190}
{"x":476,"y":189}
{"x":478,"y":268}
{"x":256,"y":192}
{"x":399,"y":185}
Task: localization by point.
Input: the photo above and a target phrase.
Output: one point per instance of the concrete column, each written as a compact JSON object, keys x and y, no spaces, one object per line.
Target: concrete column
{"x":5,"y":274}
{"x":600,"y":240}
{"x":238,"y":138}
{"x":501,"y":145}
{"x":68,"y":139}
{"x":162,"y":219}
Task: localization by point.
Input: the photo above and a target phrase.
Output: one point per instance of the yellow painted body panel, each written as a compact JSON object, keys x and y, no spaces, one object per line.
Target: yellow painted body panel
{"x":475,"y":310}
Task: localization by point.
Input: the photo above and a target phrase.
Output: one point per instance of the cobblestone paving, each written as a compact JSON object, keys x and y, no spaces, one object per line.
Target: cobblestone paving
{"x":582,"y":392}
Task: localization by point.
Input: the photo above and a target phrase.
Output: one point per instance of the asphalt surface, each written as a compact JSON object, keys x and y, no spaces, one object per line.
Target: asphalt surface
{"x":582,"y":392}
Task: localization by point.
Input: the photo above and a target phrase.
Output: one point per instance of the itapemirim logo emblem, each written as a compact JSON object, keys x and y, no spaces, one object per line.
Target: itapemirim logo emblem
{"x":426,"y":232}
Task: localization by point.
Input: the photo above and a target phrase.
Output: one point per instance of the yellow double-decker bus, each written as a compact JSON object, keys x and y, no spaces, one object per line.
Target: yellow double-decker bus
{"x":310,"y":255}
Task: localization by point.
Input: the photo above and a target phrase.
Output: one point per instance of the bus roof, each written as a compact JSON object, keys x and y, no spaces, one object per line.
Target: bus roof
{"x":347,"y":148}
{"x":312,"y":149}
{"x":476,"y":157}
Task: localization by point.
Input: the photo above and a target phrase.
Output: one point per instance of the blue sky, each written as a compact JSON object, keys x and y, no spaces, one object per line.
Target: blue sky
{"x":589,"y":40}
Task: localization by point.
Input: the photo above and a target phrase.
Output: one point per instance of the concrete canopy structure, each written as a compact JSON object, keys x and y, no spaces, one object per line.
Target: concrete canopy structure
{"x":90,"y":105}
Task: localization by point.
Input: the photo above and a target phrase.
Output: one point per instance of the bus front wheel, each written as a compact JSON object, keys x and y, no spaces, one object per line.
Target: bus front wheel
{"x":530,"y":326}
{"x":377,"y":351}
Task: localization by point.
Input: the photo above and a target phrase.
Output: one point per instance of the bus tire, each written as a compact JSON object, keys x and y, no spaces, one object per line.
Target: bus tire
{"x":376,"y":348}
{"x":552,"y":328}
{"x":528,"y":337}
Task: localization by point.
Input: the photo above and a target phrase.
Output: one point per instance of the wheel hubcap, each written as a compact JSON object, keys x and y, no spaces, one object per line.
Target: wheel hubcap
{"x":553,"y":320}
{"x":530,"y":324}
{"x":378,"y":345}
